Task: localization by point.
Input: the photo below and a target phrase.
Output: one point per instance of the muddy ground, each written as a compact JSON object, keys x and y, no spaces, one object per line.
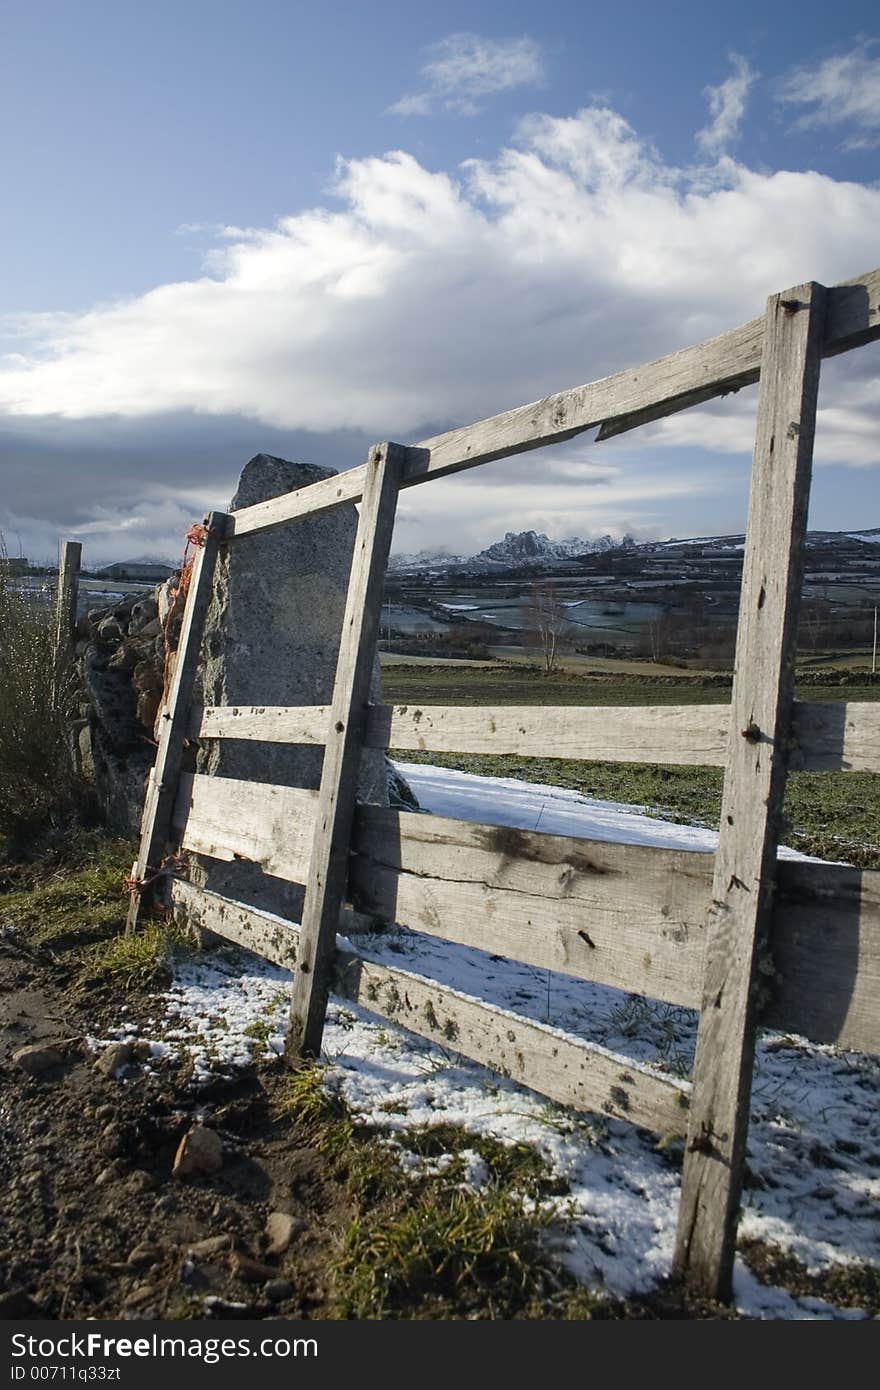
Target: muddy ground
{"x":94,"y":1224}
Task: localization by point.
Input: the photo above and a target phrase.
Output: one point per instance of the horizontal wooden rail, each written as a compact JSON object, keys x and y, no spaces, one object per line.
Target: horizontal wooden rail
{"x":264,"y":723}
{"x":620,"y":915}
{"x":557,"y":1065}
{"x":347,"y":486}
{"x":258,"y":931}
{"x":823,"y":979}
{"x":827,"y":737}
{"x":616,"y":403}
{"x":215,"y":817}
{"x":629,"y":916}
{"x":565,"y":1069}
{"x":227,"y":818}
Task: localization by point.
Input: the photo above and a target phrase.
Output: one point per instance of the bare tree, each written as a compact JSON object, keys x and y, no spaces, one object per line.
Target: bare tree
{"x":545,"y":616}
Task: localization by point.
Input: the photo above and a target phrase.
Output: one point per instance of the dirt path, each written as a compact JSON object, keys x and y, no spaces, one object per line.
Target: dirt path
{"x":95,"y":1225}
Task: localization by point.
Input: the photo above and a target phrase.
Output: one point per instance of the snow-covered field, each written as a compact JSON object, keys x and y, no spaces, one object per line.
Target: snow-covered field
{"x":814,"y":1145}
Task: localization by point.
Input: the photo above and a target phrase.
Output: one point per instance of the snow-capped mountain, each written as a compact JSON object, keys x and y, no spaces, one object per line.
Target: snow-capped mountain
{"x":518,"y":549}
{"x":527,"y":547}
{"x":530,"y":549}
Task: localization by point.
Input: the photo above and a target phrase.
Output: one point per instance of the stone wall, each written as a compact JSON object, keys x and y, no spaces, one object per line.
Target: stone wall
{"x":121,"y":657}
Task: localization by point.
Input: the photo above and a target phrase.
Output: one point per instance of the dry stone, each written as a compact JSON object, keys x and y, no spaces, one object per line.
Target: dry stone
{"x":281,"y":1227}
{"x":199,"y":1151}
{"x":37,"y":1058}
{"x":115,"y":1058}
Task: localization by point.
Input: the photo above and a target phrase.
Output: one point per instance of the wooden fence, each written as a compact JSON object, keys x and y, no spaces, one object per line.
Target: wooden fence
{"x":709,"y":932}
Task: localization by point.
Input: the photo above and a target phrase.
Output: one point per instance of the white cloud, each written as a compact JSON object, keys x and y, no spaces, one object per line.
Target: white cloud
{"x":727,"y":104}
{"x":467,"y":67}
{"x":426,"y":299}
{"x":562,"y":492}
{"x":412,"y":104}
{"x":842,"y":90}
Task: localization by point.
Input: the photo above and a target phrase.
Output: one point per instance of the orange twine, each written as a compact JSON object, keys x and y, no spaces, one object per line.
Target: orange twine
{"x":197,"y":535}
{"x":171,"y":864}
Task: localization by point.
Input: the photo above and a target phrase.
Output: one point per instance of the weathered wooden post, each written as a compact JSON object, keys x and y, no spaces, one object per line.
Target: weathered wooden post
{"x":754,"y":784}
{"x":328,"y":866}
{"x":164,"y":777}
{"x":65,"y":608}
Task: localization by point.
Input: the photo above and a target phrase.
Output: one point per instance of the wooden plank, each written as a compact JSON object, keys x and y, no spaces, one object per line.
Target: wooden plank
{"x":826,"y":737}
{"x":754,"y":785}
{"x":66,"y":600}
{"x":266,"y":723}
{"x":276,"y":939}
{"x":852,"y":314}
{"x":555,"y":1064}
{"x":852,"y":319}
{"x":663,"y":387}
{"x":622,"y":915}
{"x":691,"y":734}
{"x":328,"y":864}
{"x":694,"y":734}
{"x":262,"y":932}
{"x":265,"y":825}
{"x":316,"y":497}
{"x":162,"y":784}
{"x":227,"y":818}
{"x":569,"y":1071}
{"x":835,"y":736}
{"x":628,"y":916}
{"x":622,"y":401}
{"x":825,"y":954}
{"x":65,"y":619}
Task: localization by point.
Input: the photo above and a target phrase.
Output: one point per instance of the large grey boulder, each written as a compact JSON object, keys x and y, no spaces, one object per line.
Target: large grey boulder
{"x":272,"y":638}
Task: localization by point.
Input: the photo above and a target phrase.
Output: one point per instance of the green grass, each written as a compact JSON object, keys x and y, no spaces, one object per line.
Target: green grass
{"x":518,"y":1167}
{"x":139,"y":960}
{"x":74,"y":902}
{"x":78,"y":906}
{"x":525,"y":685}
{"x":38,"y":789}
{"x":422,"y":1245}
{"x":322,"y":1116}
{"x":442,"y":1251}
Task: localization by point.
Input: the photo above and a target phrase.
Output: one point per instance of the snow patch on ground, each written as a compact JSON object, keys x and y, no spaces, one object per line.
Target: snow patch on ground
{"x":814,"y":1143}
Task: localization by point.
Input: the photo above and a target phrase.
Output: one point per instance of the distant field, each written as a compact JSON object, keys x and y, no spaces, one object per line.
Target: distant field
{"x":455,"y":683}
{"x":833,"y":815}
{"x":578,"y":662}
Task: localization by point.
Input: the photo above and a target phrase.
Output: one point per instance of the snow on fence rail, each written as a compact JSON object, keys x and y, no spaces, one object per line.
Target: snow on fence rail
{"x":706,"y":931}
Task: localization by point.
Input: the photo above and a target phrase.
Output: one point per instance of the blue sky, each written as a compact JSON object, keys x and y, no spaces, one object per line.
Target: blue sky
{"x":301,"y":227}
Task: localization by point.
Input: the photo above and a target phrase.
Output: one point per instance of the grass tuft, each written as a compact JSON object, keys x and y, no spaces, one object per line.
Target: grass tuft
{"x":141,"y":959}
{"x":320,"y":1113}
{"x":39,"y":791}
{"x":72,"y":903}
{"x":518,"y":1167}
{"x":442,"y":1249}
